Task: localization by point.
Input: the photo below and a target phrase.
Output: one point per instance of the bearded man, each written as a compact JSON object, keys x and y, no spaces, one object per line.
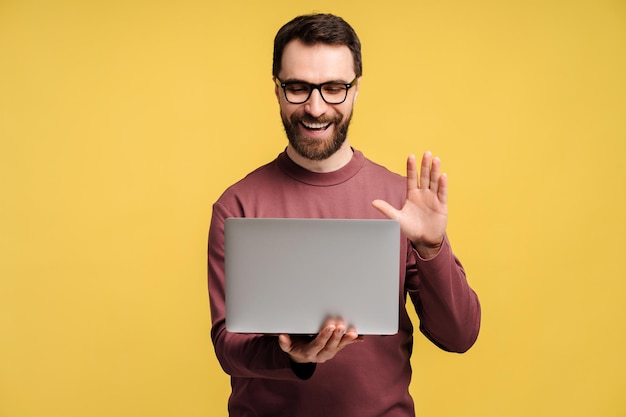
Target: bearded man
{"x":317,"y":69}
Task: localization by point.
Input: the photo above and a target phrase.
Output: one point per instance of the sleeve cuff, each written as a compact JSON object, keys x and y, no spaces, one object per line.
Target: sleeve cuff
{"x":303,"y":371}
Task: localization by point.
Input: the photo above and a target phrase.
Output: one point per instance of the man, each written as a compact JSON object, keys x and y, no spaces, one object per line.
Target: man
{"x":317,"y":69}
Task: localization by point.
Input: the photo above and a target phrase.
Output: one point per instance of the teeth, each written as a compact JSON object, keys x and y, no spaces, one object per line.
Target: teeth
{"x":315,"y":125}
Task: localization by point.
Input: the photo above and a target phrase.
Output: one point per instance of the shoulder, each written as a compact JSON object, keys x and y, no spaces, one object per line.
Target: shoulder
{"x":260,"y":178}
{"x":381,"y":183}
{"x":381,"y":173}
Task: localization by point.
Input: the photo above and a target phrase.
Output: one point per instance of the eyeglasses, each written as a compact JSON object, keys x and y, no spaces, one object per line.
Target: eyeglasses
{"x":298,"y":92}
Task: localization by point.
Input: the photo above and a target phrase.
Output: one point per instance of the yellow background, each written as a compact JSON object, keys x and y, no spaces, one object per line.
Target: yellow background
{"x":122,"y":121}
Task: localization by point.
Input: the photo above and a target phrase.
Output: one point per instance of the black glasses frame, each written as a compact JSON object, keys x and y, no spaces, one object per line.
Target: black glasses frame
{"x":312,"y":87}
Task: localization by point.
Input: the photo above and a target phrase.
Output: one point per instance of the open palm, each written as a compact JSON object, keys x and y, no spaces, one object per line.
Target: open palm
{"x":424,"y":215}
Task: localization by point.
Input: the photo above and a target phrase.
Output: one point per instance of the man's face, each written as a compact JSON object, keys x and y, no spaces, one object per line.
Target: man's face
{"x":316,"y":129}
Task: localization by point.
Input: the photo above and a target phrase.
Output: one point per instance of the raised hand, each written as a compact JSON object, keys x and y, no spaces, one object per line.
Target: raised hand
{"x":329,"y":341}
{"x":424,"y":215}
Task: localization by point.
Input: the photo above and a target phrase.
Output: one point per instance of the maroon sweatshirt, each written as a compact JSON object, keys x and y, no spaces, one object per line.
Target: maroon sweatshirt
{"x":365,"y":379}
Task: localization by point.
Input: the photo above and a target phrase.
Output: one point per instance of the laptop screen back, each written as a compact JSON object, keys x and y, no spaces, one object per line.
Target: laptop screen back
{"x":291,"y":275}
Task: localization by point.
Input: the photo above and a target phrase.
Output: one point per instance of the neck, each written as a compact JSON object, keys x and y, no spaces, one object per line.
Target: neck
{"x":336,"y":161}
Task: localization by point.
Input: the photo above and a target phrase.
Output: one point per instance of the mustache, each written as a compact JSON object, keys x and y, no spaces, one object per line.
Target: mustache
{"x":309,"y":119}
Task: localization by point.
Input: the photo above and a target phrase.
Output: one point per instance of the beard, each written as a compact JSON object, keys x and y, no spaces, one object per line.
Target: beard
{"x":315,"y":149}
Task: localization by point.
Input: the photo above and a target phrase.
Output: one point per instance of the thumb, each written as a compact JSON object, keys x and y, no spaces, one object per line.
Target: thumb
{"x":386,"y":209}
{"x":284,"y":341}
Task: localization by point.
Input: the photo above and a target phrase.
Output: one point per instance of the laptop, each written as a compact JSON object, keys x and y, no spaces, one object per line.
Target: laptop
{"x":291,"y":275}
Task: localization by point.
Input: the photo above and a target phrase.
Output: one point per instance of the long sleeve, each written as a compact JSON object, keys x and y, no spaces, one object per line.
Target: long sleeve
{"x":240,"y":355}
{"x":448,"y":308}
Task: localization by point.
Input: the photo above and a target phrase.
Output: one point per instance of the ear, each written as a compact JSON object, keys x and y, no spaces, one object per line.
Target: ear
{"x":356,"y":90}
{"x":276,"y":89}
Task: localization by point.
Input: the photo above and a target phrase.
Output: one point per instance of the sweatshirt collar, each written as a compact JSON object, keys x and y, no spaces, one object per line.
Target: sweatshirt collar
{"x":325,"y":179}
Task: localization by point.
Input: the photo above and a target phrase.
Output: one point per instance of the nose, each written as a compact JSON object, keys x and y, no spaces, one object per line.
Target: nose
{"x":315,"y":105}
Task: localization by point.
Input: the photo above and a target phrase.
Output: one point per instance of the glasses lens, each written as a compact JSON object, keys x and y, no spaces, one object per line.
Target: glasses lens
{"x":297,"y":92}
{"x":334,"y":93}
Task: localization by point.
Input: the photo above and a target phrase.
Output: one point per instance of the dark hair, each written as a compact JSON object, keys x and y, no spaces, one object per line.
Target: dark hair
{"x":318,"y":28}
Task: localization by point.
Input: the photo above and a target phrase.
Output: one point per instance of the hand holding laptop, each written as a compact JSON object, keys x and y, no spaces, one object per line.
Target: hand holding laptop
{"x":333,"y":337}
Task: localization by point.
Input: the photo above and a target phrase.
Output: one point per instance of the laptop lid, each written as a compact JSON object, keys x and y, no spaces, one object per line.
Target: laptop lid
{"x":291,"y":275}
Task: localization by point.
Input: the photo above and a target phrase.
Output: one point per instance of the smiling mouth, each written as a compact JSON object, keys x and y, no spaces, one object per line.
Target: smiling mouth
{"x":318,"y":127}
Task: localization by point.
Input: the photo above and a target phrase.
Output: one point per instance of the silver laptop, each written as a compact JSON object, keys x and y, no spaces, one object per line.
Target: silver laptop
{"x":291,"y":275}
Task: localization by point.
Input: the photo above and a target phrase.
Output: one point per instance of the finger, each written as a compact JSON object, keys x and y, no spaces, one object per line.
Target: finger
{"x":352,"y":332}
{"x":319,"y":343}
{"x":424,"y":182}
{"x":435,"y":171}
{"x":284,"y":341}
{"x":387,"y":209}
{"x":411,"y":173}
{"x":442,"y":192}
{"x":324,"y":347}
{"x":335,"y":339}
{"x":350,"y":337}
{"x":339,"y":328}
